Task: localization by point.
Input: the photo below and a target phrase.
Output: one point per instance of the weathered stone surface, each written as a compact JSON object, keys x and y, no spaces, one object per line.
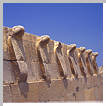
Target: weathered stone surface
{"x":58,"y":49}
{"x":29,"y":44}
{"x":89,"y":94}
{"x":80,"y":96}
{"x":66,"y":59}
{"x":94,"y":64}
{"x":49,"y":93}
{"x":7,"y":94}
{"x":52,"y":69}
{"x":89,"y":61}
{"x":8,"y":53}
{"x":32,"y":94}
{"x":50,"y":47}
{"x":98,"y":92}
{"x":71,"y":90}
{"x":10,"y":70}
{"x":38,"y":69}
{"x":81,"y":61}
{"x":34,"y":72}
{"x":73,"y":59}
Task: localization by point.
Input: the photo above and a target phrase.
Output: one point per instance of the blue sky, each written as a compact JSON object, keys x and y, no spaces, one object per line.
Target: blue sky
{"x":77,"y":23}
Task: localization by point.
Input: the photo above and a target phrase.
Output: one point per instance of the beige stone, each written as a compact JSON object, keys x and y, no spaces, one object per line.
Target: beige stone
{"x":38,"y":69}
{"x":32,"y":94}
{"x":60,"y":59}
{"x":89,"y":94}
{"x":8,"y":53}
{"x":10,"y":70}
{"x":73,"y":56}
{"x":93,"y":58}
{"x":7,"y":94}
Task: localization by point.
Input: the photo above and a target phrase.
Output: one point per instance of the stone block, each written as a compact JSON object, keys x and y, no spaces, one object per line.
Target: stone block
{"x":10,"y":69}
{"x":7,"y":94}
{"x":34,"y":72}
{"x":98,"y":92}
{"x":79,"y":96}
{"x":89,"y":83}
{"x":52,"y":70}
{"x":50,"y":48}
{"x":32,"y":94}
{"x":89,"y":94}
{"x":30,"y":51}
{"x":55,"y":92}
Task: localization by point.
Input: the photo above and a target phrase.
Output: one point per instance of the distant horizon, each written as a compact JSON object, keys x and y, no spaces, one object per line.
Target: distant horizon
{"x":69,"y":23}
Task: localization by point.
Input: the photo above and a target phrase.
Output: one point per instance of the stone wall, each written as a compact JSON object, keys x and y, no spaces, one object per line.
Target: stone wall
{"x":38,"y":69}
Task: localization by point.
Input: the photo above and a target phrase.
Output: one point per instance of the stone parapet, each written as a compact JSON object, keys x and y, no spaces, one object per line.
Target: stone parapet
{"x":38,"y":69}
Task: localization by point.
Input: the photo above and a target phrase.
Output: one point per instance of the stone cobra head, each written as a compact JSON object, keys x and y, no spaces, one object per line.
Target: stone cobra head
{"x":44,"y":40}
{"x":95,"y":54}
{"x":18,"y":30}
{"x":73,"y":47}
{"x":89,"y":51}
{"x":82,"y":49}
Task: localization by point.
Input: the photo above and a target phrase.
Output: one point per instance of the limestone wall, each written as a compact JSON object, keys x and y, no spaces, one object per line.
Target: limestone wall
{"x":38,"y":69}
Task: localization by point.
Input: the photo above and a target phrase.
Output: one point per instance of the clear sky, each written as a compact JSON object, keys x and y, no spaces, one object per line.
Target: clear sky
{"x":81,"y":24}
